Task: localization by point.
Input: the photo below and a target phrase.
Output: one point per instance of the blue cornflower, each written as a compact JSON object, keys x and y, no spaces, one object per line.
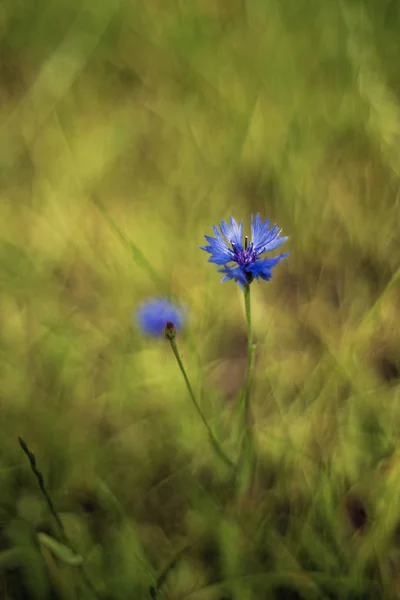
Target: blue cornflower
{"x":230,"y":250}
{"x":158,"y":315}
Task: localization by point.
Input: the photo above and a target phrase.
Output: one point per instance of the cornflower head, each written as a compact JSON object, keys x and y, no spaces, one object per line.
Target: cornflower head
{"x":159,"y":317}
{"x":243,"y":263}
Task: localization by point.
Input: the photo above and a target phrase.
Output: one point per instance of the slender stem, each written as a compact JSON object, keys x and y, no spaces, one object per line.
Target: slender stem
{"x":213,"y":440}
{"x":39,"y":477}
{"x":247,"y":451}
{"x":250,"y":356}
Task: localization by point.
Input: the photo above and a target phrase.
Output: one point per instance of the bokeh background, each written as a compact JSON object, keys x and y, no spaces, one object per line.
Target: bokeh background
{"x":127,"y":129}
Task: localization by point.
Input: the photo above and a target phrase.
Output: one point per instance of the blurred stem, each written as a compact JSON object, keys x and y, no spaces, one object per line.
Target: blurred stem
{"x":62,"y":532}
{"x":40,"y":480}
{"x":215,"y":444}
{"x":138,"y":256}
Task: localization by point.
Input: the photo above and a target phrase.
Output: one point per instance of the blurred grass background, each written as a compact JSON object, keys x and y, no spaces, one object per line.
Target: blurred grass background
{"x":145,"y":123}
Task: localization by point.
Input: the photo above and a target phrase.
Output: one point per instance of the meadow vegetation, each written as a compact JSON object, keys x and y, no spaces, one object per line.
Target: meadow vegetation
{"x":126,"y":130}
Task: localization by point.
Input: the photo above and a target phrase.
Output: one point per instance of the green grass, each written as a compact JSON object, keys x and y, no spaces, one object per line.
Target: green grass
{"x":126,"y":130}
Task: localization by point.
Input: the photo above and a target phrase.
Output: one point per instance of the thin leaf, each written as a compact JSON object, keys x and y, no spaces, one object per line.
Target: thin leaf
{"x":60,"y":550}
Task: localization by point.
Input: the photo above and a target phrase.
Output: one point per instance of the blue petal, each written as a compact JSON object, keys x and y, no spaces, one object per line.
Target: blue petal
{"x":273,"y":245}
{"x":234,"y":233}
{"x":235,"y":273}
{"x":266,"y":240}
{"x":263,"y":268}
{"x":218,"y":249}
{"x":258,"y":230}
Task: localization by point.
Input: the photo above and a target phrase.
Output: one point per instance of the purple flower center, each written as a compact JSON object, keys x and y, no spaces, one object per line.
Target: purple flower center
{"x":244,"y":256}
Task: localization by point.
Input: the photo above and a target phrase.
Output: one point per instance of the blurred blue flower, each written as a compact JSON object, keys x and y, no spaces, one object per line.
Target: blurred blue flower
{"x":226,"y":252}
{"x":154,"y":315}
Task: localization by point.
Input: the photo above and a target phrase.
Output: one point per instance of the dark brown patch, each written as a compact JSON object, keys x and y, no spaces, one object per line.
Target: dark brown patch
{"x":294,"y":289}
{"x":356,"y":513}
{"x":396,"y":536}
{"x":284,"y":592}
{"x":376,"y":273}
{"x":388,"y":369}
{"x":282,"y":517}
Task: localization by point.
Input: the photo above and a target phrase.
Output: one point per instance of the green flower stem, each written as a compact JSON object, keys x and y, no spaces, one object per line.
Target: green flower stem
{"x":211,"y":436}
{"x":248,"y":448}
{"x":250,"y":357}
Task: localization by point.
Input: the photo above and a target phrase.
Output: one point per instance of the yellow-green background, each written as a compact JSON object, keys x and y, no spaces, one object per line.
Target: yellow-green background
{"x":126,"y":130}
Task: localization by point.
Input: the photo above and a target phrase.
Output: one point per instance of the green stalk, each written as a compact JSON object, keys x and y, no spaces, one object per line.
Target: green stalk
{"x":215,"y":444}
{"x":247,"y":454}
{"x":250,"y":357}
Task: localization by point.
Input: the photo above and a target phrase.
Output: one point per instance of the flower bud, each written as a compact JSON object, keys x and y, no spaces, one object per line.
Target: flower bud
{"x":170,"y":331}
